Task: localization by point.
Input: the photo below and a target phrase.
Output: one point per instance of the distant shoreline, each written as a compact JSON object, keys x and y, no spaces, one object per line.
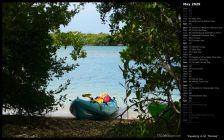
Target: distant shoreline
{"x":92,"y":45}
{"x":118,"y":45}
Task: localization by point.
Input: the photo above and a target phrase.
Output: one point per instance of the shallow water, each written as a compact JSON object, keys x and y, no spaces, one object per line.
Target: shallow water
{"x":98,"y":72}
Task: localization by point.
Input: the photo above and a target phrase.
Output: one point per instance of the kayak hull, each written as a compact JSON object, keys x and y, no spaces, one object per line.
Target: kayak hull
{"x":83,"y":109}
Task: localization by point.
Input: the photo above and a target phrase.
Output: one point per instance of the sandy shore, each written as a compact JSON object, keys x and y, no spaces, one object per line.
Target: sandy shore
{"x":56,"y":127}
{"x":62,"y":124}
{"x":61,"y":127}
{"x":64,"y":113}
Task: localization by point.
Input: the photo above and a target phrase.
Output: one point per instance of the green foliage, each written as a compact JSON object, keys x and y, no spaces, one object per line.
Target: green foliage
{"x":145,"y":129}
{"x":29,"y":59}
{"x":96,"y":39}
{"x":74,"y":39}
{"x":156,"y":108}
{"x":68,"y":39}
{"x":152,"y":61}
{"x":80,"y":39}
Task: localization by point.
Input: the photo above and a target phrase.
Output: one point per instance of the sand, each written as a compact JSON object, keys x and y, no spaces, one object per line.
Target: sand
{"x":57,"y":127}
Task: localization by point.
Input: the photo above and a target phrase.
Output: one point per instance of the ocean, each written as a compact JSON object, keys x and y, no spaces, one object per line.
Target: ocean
{"x":98,"y":72}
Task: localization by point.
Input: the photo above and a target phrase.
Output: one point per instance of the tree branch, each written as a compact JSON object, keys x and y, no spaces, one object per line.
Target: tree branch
{"x":128,"y":107}
{"x":21,"y":11}
{"x":170,"y":101}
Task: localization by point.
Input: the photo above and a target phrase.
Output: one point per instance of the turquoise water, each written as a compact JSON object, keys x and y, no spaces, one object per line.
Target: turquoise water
{"x":98,"y":72}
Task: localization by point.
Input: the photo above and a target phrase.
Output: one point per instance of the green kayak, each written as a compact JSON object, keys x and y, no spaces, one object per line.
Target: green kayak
{"x":83,"y":109}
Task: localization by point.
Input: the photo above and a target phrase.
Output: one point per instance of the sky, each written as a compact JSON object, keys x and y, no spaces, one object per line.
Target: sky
{"x":86,"y":21}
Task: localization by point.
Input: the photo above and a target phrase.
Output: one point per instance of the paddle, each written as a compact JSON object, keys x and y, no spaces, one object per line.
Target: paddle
{"x":88,"y":95}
